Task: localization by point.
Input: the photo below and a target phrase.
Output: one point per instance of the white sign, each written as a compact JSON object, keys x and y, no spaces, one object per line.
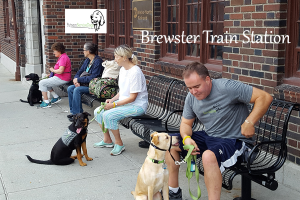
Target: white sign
{"x":85,"y":21}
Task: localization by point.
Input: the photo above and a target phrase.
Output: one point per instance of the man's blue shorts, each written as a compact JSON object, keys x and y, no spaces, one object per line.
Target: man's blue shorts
{"x":226,"y":150}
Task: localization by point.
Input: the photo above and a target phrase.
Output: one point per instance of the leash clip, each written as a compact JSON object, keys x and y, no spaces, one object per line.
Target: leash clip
{"x":179,"y":163}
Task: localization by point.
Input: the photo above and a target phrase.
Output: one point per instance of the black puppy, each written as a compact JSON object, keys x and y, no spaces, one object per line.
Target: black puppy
{"x":35,"y":95}
{"x":73,"y":138}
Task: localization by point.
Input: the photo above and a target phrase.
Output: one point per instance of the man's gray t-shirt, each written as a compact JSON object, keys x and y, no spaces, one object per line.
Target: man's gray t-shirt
{"x":223,"y":111}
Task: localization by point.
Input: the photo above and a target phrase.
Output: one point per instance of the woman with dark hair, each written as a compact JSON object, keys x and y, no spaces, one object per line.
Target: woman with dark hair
{"x":91,"y":68}
{"x":62,"y":75}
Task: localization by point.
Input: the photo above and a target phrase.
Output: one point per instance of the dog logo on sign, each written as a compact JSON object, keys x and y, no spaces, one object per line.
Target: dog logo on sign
{"x":97,"y":19}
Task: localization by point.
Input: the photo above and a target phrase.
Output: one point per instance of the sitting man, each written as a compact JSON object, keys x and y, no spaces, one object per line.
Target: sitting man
{"x":220,"y":104}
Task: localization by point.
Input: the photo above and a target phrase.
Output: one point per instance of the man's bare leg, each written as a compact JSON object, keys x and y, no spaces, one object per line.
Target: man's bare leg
{"x":173,"y":169}
{"x":212,"y":175}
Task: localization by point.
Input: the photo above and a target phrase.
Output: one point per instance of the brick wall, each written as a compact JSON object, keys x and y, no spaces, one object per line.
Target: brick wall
{"x":261,"y":64}
{"x":54,"y":26}
{"x":8,"y":47}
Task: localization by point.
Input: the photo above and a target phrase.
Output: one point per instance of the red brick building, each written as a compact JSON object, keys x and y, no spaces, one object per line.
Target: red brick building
{"x":263,"y":60}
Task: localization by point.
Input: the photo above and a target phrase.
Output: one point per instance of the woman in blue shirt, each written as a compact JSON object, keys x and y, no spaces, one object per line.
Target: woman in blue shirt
{"x":93,"y":66}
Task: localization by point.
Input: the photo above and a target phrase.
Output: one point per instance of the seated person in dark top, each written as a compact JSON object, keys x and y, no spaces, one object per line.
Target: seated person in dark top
{"x":93,"y":66}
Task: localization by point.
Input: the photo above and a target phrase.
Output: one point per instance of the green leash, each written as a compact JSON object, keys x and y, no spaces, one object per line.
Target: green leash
{"x":100,"y":109}
{"x":188,"y":159}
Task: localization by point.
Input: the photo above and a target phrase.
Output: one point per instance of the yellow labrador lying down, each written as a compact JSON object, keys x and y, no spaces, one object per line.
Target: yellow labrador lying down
{"x":152,"y":176}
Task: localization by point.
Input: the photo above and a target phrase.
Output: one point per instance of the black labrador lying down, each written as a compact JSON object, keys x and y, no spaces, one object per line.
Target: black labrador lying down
{"x":35,"y":95}
{"x":73,"y":138}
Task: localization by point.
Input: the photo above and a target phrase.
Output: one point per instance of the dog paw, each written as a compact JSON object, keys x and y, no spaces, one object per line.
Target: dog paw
{"x":89,"y":159}
{"x":83,"y":164}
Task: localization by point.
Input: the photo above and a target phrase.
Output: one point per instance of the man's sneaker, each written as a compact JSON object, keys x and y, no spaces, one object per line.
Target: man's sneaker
{"x":103,"y":144}
{"x":55,"y":100}
{"x":45,"y":105}
{"x":117,"y":150}
{"x":175,"y":196}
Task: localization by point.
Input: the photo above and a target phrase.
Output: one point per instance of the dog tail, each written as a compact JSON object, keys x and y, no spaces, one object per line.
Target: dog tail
{"x":46,"y":162}
{"x":23,"y":101}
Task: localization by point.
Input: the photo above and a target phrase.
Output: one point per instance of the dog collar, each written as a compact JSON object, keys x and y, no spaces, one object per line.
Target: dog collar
{"x":156,"y":161}
{"x":165,"y":149}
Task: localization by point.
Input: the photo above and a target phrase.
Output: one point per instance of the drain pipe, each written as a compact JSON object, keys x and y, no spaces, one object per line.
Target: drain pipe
{"x":95,"y":35}
{"x":17,"y":73}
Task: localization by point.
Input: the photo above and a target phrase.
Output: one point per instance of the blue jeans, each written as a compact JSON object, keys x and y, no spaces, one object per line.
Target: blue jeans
{"x":74,"y":94}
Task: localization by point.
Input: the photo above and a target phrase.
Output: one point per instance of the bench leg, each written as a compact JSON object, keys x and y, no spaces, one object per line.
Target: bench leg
{"x":246,"y":189}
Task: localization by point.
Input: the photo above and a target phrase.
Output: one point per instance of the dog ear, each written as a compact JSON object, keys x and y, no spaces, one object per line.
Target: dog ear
{"x":155,"y":139}
{"x":87,"y":114}
{"x":153,"y":134}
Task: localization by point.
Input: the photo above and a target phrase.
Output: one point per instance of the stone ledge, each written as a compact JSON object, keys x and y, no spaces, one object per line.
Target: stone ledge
{"x":287,"y":92}
{"x":178,"y":69}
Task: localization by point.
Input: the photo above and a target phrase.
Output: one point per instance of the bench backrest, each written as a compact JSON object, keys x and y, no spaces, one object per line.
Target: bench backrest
{"x":158,"y":89}
{"x":175,"y":102}
{"x":270,"y":138}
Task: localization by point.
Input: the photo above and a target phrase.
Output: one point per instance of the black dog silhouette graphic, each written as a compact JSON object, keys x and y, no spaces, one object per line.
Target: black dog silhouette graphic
{"x":97,"y":19}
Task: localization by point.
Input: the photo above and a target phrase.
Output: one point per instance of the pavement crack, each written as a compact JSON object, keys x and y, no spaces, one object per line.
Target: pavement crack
{"x":3,"y":186}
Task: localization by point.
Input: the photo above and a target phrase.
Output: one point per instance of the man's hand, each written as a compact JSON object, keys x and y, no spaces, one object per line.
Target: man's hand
{"x":247,"y":130}
{"x":190,"y":141}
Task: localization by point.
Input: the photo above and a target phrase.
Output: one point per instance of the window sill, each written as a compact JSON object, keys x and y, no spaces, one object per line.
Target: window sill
{"x":292,"y":81}
{"x":173,"y":67}
{"x":210,"y":66}
{"x":289,"y":91}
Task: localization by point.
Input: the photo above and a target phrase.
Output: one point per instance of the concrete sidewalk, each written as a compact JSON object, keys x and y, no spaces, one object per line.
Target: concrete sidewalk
{"x":33,"y":131}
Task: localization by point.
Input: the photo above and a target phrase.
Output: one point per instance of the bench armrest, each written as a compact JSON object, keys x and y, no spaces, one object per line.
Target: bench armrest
{"x":266,"y":161}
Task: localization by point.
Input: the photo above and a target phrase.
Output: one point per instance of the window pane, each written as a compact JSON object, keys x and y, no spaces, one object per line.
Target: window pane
{"x":212,"y":51}
{"x":188,"y":49}
{"x":122,"y":29}
{"x":187,"y":30}
{"x":174,"y":14}
{"x":192,"y":26}
{"x":216,"y":22}
{"x":174,"y":30}
{"x":174,"y":48}
{"x":195,"y":11}
{"x":195,"y":29}
{"x":216,"y":52}
{"x":188,"y":14}
{"x":194,"y":50}
{"x":221,"y":11}
{"x":122,"y":41}
{"x":219,"y":52}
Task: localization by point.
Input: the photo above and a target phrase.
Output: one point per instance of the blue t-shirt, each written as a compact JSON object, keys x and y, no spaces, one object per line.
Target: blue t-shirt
{"x":223,"y":111}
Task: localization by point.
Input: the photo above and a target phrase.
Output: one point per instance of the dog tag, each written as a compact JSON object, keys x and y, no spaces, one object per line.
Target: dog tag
{"x":192,"y":166}
{"x":164,"y":166}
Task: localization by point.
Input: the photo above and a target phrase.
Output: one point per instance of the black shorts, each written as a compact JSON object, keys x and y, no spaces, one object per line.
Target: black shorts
{"x":226,"y":150}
